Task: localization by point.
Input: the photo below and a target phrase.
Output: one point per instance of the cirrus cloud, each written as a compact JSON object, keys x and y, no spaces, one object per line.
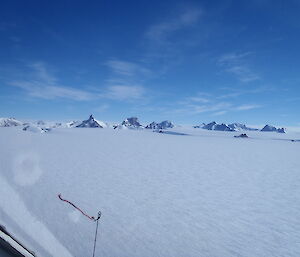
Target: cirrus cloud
{"x":124,"y":92}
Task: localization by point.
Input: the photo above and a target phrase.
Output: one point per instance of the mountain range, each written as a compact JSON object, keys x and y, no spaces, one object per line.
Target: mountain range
{"x":129,"y":123}
{"x":237,"y":127}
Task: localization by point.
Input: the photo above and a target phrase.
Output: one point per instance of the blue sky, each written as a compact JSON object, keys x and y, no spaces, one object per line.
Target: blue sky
{"x":186,"y":61}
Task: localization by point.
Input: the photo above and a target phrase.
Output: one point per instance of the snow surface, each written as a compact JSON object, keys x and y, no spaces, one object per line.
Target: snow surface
{"x":189,"y":193}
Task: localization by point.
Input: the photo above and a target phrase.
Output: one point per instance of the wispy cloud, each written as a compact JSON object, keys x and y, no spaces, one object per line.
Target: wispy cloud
{"x":231,"y":58}
{"x":168,"y":39}
{"x":193,"y":108}
{"x":41,"y":73}
{"x":219,"y":113}
{"x":200,"y":97}
{"x":211,"y":107}
{"x":215,"y":108}
{"x":127,"y":77}
{"x":101,"y":108}
{"x":233,"y":92}
{"x":235,"y":63}
{"x":41,"y":84}
{"x":160,"y":31}
{"x":44,"y":91}
{"x":246,"y":107}
{"x":243,"y":73}
{"x":126,"y":80}
{"x":212,"y":104}
{"x":123,"y":92}
{"x":127,"y":68}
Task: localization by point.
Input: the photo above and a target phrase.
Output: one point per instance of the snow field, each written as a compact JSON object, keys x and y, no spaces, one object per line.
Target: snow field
{"x":204,"y":194}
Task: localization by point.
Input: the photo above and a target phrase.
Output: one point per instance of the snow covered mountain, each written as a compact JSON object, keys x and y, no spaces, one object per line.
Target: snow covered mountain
{"x":199,"y":126}
{"x":35,"y":129}
{"x":152,"y":125}
{"x":49,"y":124}
{"x":163,"y":125}
{"x":41,"y":123}
{"x":269,"y":128}
{"x":132,"y":123}
{"x":73,"y":124}
{"x":224,"y":127}
{"x":57,"y":125}
{"x":102,"y":123}
{"x":10,"y":122}
{"x":215,"y":126}
{"x":89,"y":123}
{"x":239,"y":126}
{"x":210,"y":126}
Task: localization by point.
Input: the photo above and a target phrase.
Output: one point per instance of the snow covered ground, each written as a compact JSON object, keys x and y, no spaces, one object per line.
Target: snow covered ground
{"x":170,"y":195}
